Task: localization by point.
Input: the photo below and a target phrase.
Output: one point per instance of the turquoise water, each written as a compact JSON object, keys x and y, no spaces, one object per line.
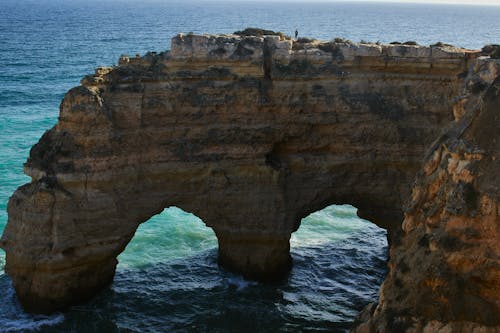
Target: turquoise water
{"x":172,"y":234}
{"x":168,"y":279}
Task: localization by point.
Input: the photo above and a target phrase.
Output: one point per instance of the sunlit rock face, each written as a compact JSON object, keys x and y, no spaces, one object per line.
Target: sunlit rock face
{"x":445,"y":271}
{"x":251,"y":134}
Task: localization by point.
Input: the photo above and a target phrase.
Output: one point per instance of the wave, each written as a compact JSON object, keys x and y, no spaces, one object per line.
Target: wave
{"x":12,"y":316}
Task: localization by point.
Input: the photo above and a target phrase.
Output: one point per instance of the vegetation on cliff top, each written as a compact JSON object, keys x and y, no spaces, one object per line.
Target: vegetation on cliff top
{"x":492,"y":50}
{"x":441,"y":44}
{"x":410,"y":42}
{"x":261,"y":32}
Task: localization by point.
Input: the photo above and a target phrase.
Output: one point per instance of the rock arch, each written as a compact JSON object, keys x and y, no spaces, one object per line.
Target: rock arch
{"x":333,"y":240}
{"x":170,"y":236}
{"x":251,"y":142}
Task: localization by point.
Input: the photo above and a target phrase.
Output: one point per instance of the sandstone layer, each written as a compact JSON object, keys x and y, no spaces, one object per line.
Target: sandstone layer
{"x":445,"y":271}
{"x":251,"y":134}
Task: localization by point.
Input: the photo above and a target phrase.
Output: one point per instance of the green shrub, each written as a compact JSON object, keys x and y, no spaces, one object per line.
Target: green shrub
{"x":299,"y":43}
{"x":333,"y":48}
{"x":260,"y":32}
{"x":341,"y":40}
{"x":492,"y":50}
{"x":410,"y":42}
{"x":328,"y":47}
{"x":304,"y":40}
{"x":440,"y":44}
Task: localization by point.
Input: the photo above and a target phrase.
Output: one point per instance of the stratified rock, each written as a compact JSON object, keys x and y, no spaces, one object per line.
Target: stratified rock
{"x":251,"y":134}
{"x":445,"y":272}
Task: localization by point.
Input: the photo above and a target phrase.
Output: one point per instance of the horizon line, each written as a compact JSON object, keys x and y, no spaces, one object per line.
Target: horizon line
{"x":427,"y":2}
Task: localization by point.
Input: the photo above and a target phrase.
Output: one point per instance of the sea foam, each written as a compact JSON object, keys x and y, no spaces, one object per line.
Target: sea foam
{"x":14,"y":319}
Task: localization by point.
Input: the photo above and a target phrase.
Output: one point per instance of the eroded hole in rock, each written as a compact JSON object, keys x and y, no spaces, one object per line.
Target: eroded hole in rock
{"x":339,"y":264}
{"x":168,"y":280}
{"x":173,"y":234}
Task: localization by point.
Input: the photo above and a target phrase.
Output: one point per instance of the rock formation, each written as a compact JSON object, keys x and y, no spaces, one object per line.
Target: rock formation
{"x":251,"y":134}
{"x":445,"y":271}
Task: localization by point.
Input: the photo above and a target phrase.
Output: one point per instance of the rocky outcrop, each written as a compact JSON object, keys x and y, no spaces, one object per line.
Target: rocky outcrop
{"x":251,"y":134}
{"x":445,"y":271}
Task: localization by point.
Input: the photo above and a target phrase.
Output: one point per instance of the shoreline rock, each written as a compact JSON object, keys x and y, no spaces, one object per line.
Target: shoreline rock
{"x":249,"y":133}
{"x":444,"y":275}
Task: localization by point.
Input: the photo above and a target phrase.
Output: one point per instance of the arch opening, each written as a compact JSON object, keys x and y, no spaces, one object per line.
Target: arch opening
{"x":173,"y":234}
{"x":168,"y":279}
{"x":339,"y":263}
{"x":172,"y":250}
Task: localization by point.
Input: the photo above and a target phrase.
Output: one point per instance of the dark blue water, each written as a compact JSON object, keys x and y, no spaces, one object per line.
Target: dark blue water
{"x":168,"y":279}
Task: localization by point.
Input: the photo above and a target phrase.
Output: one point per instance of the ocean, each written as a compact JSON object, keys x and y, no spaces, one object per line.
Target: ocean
{"x":168,"y":279}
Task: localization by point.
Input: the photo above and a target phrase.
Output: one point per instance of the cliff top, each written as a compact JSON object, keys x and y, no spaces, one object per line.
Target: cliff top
{"x":278,"y":55}
{"x":224,"y":45}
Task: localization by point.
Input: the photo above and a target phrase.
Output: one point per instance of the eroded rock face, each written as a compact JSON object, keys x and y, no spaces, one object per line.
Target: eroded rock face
{"x":251,"y":134}
{"x":445,"y":272}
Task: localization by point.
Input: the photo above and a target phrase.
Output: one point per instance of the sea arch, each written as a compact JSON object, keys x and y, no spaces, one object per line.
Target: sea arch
{"x":172,"y":235}
{"x":250,"y":134}
{"x":340,"y":256}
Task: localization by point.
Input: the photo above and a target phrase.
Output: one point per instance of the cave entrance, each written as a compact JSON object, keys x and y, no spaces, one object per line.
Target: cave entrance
{"x":174,"y":234}
{"x":340,"y":260}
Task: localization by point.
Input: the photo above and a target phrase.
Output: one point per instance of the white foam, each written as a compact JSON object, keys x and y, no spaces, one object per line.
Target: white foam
{"x":28,"y":323}
{"x":14,"y":319}
{"x":240,"y":283}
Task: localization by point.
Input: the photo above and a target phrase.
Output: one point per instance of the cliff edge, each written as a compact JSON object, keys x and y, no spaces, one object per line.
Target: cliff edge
{"x":445,"y":272}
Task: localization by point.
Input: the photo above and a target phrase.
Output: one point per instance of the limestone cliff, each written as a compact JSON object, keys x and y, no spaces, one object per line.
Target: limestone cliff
{"x":445,"y":272}
{"x":249,"y":133}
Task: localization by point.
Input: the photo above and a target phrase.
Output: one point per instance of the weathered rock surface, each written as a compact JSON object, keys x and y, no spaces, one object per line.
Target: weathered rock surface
{"x":251,"y":134}
{"x":445,"y":271}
